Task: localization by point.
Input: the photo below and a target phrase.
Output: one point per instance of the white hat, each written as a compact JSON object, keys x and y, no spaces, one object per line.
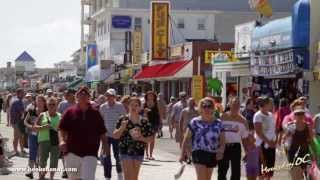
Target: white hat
{"x":111,"y":92}
{"x":299,"y":110}
{"x":28,"y":95}
{"x":49,"y":91}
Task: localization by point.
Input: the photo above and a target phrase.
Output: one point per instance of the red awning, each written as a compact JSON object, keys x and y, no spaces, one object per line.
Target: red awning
{"x":160,"y":70}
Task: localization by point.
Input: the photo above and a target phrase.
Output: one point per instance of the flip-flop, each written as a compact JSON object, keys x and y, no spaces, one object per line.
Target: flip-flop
{"x":152,"y":158}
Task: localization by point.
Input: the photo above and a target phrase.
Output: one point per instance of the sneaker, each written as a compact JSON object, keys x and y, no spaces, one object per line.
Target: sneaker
{"x":64,"y":175}
{"x":29,"y":175}
{"x":120,"y":176}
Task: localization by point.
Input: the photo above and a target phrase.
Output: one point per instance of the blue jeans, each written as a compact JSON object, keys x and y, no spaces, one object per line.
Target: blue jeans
{"x":33,"y":147}
{"x":106,"y":160}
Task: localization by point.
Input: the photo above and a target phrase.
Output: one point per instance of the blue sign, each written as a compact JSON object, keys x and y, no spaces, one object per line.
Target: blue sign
{"x":122,"y":22}
{"x":92,"y":59}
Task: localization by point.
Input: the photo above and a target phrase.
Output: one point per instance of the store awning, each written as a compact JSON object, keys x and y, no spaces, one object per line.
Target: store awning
{"x":276,"y":34}
{"x":161,"y":71}
{"x":76,"y":84}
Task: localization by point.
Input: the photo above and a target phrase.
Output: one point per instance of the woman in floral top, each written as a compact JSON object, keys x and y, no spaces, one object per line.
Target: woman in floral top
{"x":134,"y":133}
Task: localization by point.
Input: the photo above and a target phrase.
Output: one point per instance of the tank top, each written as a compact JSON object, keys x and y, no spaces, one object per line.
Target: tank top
{"x":153,"y":115}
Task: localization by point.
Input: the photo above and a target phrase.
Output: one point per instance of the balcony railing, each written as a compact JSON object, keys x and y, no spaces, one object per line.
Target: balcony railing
{"x":86,"y":2}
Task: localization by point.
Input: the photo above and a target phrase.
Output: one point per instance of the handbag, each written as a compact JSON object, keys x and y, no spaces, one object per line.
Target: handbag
{"x":53,"y":134}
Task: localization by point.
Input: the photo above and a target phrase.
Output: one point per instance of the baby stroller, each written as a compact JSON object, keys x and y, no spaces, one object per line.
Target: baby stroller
{"x":4,"y":152}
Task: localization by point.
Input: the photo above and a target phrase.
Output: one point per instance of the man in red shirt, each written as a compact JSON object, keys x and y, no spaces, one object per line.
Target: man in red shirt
{"x":80,"y":131}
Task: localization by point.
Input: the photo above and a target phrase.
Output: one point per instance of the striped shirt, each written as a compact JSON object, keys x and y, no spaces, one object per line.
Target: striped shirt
{"x":111,"y":115}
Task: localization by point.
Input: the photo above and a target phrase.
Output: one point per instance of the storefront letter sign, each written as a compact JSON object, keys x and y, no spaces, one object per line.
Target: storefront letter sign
{"x":197,"y":87}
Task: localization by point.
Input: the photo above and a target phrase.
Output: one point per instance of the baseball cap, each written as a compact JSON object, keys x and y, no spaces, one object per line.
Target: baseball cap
{"x":111,"y":92}
{"x":28,"y":95}
{"x":182,"y":94}
{"x":49,"y":91}
{"x":84,"y":90}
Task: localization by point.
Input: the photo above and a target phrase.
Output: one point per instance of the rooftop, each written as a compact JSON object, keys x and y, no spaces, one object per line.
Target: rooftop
{"x":25,"y":57}
{"x":217,"y":5}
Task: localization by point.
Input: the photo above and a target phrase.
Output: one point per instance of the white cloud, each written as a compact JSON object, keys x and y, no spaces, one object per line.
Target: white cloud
{"x":48,"y":30}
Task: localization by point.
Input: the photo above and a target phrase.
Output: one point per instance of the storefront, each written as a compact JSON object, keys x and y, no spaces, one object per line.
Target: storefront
{"x":280,"y":56}
{"x":169,"y":78}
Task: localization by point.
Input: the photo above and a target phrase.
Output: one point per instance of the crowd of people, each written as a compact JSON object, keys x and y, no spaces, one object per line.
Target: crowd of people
{"x":80,"y":130}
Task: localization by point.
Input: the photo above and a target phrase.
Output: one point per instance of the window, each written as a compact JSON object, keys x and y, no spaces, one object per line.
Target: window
{"x":137,"y":23}
{"x":181,"y":23}
{"x":201,"y":24}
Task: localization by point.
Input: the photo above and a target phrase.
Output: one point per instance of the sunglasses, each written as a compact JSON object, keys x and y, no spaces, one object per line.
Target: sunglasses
{"x":299,"y":114}
{"x":207,"y":106}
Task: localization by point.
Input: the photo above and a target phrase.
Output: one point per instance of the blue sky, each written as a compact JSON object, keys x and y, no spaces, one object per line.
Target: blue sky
{"x":48,"y":29}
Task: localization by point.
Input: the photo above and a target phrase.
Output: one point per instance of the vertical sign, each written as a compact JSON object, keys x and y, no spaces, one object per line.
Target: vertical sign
{"x":160,"y":30}
{"x":137,"y":47}
{"x":197,"y":87}
{"x":91,"y":56}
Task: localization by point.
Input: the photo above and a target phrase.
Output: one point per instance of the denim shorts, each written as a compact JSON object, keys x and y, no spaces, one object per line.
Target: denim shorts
{"x":131,"y":157}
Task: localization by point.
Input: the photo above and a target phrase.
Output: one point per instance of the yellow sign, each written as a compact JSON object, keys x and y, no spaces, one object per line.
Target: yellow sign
{"x":219,"y":56}
{"x":137,"y":47}
{"x":197,"y":87}
{"x":261,"y":6}
{"x":160,"y":30}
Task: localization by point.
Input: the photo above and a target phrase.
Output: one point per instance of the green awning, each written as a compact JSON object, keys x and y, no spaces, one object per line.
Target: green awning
{"x":75,"y":84}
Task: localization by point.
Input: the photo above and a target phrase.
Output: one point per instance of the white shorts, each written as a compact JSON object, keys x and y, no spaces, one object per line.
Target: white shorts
{"x":86,"y":166}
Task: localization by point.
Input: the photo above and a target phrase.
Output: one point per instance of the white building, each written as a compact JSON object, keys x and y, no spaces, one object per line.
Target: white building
{"x":25,"y":63}
{"x":66,"y":69}
{"x":189,"y":20}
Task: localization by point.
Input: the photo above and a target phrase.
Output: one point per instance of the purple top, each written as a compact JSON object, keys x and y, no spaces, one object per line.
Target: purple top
{"x":205,"y":136}
{"x":253,"y":157}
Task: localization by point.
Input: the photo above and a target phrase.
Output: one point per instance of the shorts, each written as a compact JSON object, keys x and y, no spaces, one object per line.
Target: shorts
{"x":86,"y":166}
{"x":131,"y":157}
{"x":269,"y":156}
{"x":205,"y":158}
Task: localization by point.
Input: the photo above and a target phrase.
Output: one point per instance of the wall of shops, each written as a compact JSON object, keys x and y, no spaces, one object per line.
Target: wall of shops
{"x":314,"y":99}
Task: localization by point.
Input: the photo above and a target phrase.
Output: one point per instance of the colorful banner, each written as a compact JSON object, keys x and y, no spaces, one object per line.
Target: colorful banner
{"x":219,"y":57}
{"x":91,"y":57}
{"x":261,"y":6}
{"x":197,"y":87}
{"x":137,"y":47}
{"x":160,"y":30}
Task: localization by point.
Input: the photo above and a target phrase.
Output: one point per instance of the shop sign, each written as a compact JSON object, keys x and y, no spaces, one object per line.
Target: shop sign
{"x":176,"y":51}
{"x":197,"y":87}
{"x":219,"y":57}
{"x":137,"y":47}
{"x":121,"y":22}
{"x":92,"y":59}
{"x":243,"y":39}
{"x":160,"y":30}
{"x":279,"y":63}
{"x":187,"y":51}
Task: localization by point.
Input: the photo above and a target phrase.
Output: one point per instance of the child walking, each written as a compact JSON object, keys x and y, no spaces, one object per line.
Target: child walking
{"x":252,"y":159}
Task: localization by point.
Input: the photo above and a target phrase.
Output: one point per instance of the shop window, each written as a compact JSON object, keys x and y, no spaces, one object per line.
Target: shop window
{"x":181,"y":23}
{"x":201,"y":24}
{"x":137,"y":23}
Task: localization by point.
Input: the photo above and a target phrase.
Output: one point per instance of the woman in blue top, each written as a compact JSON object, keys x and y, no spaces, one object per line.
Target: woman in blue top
{"x":207,"y":140}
